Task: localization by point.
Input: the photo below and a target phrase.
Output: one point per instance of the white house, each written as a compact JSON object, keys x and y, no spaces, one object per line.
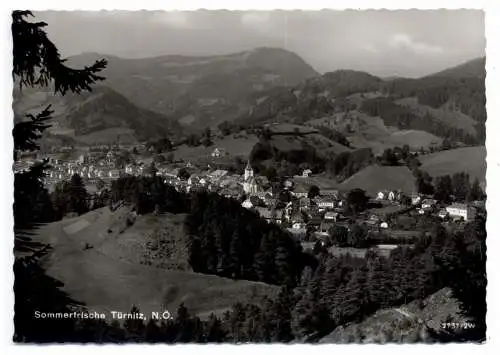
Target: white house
{"x":306,"y":173}
{"x":415,"y":199}
{"x":325,"y":202}
{"x":129,"y":169}
{"x":218,"y":152}
{"x":428,"y":204}
{"x":458,"y":210}
{"x":299,"y":225}
{"x":114,"y":174}
{"x":331,"y":216}
{"x":381,"y":195}
{"x":247,"y":204}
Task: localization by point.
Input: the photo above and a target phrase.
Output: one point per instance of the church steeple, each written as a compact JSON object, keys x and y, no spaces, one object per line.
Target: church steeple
{"x":248,"y":171}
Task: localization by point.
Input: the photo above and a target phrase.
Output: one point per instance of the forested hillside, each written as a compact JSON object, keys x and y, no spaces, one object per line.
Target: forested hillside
{"x":453,"y":91}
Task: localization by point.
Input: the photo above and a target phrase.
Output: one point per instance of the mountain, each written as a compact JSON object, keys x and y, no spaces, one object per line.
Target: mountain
{"x":371,"y":111}
{"x":99,"y":116}
{"x":475,"y":68}
{"x":201,"y":91}
{"x":312,"y":98}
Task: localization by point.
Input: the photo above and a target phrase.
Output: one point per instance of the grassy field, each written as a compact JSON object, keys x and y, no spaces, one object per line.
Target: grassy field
{"x":387,"y":209}
{"x":470,"y":160}
{"x":414,"y":138}
{"x":376,"y":178}
{"x":109,"y":277}
{"x":235,"y":145}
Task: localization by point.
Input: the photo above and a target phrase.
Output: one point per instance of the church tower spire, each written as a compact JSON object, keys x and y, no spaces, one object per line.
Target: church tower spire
{"x":248,"y":171}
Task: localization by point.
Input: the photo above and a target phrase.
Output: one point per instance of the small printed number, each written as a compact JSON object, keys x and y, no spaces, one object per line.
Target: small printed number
{"x":452,"y":325}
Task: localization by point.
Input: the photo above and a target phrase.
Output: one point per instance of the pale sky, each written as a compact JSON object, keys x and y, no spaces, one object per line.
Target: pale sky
{"x":385,"y":43}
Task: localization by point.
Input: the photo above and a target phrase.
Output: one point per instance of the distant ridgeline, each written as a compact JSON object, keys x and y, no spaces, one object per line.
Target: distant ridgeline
{"x":440,"y":99}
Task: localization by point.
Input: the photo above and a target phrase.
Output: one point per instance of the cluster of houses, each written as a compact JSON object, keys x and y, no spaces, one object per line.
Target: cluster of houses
{"x":319,"y":213}
{"x":87,"y":167}
{"x":428,"y":205}
{"x":455,"y":211}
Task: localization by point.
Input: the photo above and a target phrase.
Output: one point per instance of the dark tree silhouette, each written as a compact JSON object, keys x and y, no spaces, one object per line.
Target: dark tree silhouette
{"x":357,"y":200}
{"x":37,"y":63}
{"x":313,"y":191}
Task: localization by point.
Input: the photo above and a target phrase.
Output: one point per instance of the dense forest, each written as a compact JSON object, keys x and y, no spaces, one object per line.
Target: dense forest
{"x":347,"y":164}
{"x":328,"y":94}
{"x":468,"y":94}
{"x":225,"y":239}
{"x":404,"y":118}
{"x":265,"y":155}
{"x":334,"y":292}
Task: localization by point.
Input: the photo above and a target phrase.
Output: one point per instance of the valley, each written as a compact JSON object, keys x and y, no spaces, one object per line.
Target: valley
{"x":252,"y":197}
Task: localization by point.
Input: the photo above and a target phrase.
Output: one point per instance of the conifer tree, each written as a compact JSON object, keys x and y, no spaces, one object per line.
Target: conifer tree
{"x":134,"y":326}
{"x":215,"y":332}
{"x":37,"y":63}
{"x":152,"y":332}
{"x":264,"y":259}
{"x":476,"y":192}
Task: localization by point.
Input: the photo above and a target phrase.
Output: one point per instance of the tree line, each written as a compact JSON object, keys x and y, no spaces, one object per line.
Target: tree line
{"x":230,"y":241}
{"x":403,"y":118}
{"x":449,"y":188}
{"x":333,"y":292}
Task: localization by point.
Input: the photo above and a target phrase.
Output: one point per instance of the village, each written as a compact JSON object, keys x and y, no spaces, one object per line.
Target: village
{"x":309,"y":213}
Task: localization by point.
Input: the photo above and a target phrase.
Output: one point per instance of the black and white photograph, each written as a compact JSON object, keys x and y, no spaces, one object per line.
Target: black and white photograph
{"x":249,"y":177}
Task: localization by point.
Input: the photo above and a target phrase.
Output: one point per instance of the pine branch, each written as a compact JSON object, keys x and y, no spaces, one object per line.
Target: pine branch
{"x":26,"y":133}
{"x":37,"y":60}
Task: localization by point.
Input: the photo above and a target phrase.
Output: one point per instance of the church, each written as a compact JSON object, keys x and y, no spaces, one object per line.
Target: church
{"x":249,"y":183}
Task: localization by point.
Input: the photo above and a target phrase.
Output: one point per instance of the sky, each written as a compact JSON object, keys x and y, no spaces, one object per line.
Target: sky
{"x":408,"y":43}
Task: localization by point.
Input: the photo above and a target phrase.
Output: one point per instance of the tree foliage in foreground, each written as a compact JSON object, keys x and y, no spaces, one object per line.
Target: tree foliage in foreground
{"x":37,"y":63}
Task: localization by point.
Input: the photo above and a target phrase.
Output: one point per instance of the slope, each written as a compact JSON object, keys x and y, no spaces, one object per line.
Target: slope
{"x":104,"y":270}
{"x":475,"y":68}
{"x":471,"y":160}
{"x":313,"y":98}
{"x":445,"y":106}
{"x":363,"y":131}
{"x":377,"y":178}
{"x":211,"y":88}
{"x":102,"y":115}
